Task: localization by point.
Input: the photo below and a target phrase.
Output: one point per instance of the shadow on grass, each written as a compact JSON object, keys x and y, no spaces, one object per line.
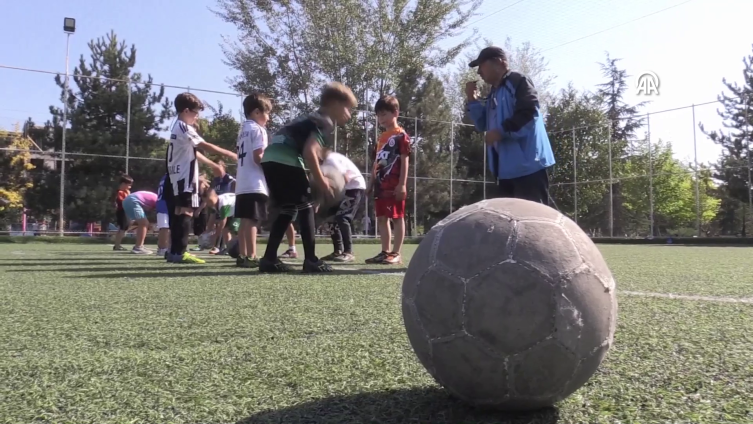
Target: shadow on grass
{"x":51,"y":260}
{"x":424,"y":405}
{"x":170,"y":272}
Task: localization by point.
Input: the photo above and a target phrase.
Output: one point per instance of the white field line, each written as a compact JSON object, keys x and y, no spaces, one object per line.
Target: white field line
{"x":747,"y":301}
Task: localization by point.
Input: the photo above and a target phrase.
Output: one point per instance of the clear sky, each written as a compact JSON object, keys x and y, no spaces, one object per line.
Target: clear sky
{"x":690,"y":47}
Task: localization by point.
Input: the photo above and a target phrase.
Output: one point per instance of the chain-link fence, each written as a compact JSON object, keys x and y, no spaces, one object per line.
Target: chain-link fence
{"x":68,"y":161}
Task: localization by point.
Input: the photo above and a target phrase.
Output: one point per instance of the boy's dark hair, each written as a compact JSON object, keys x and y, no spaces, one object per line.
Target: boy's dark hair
{"x":188,"y":101}
{"x":256,"y":101}
{"x":126,"y":179}
{"x":338,"y":92}
{"x":387,"y":104}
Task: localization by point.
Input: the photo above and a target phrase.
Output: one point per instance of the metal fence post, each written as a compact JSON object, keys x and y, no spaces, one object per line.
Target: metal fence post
{"x":697,"y":182}
{"x":484,"y":169}
{"x":747,"y":141}
{"x":415,"y":176}
{"x":452,"y":154}
{"x":61,"y":215}
{"x":611,"y":184}
{"x":128,"y":126}
{"x":650,"y":176}
{"x":575,"y":180}
{"x":366,"y":167}
{"x":376,"y":140}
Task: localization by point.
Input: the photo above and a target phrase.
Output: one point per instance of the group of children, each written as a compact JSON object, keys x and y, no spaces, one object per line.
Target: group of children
{"x":281,"y":173}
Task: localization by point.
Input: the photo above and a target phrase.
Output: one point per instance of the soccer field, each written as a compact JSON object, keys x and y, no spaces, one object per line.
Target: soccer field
{"x":88,"y":335}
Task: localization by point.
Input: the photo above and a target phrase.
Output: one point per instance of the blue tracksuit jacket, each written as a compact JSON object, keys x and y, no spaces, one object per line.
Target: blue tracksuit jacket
{"x":513,"y":108}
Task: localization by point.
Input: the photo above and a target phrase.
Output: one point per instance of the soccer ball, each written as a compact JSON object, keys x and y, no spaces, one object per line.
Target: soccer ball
{"x":336,"y":181}
{"x":508,"y":304}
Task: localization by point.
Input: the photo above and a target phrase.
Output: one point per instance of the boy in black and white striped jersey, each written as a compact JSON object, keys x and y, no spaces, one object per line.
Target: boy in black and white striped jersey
{"x":182,"y":162}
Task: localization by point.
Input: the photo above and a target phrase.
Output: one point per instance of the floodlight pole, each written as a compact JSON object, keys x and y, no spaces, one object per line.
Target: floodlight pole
{"x":61,"y":221}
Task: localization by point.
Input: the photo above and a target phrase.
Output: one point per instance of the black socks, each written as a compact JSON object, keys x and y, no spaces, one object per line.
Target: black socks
{"x":307,"y":225}
{"x":180,"y":228}
{"x":276,"y":233}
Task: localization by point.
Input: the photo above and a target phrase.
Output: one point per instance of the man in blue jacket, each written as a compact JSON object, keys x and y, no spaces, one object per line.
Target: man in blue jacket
{"x":518,"y":148}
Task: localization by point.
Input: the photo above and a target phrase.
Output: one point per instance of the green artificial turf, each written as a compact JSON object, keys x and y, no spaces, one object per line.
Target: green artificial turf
{"x":88,"y":335}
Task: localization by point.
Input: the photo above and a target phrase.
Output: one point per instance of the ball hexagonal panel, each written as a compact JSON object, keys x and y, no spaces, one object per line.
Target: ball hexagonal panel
{"x":545,"y":246}
{"x":417,"y":337}
{"x":470,"y":371}
{"x":584,"y":313}
{"x":509,"y":307}
{"x":485,"y":231}
{"x":587,"y":366}
{"x":587,"y":249}
{"x":543,"y":371}
{"x":524,"y":209}
{"x":420,"y":263}
{"x":439,"y":303}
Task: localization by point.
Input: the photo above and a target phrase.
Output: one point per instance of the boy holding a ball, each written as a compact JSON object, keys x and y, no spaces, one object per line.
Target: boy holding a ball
{"x":291,"y":151}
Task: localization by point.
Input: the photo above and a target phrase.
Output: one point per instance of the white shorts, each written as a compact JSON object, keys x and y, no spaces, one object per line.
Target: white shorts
{"x":163,"y":221}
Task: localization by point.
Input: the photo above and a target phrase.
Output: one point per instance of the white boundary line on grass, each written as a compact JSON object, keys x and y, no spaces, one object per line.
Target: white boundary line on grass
{"x":717,"y":299}
{"x":747,"y":301}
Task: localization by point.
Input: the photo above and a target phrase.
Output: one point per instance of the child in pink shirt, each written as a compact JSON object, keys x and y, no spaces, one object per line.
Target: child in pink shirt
{"x":135,"y":206}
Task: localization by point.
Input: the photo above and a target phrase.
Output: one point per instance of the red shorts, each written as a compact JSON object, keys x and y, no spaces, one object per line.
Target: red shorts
{"x":390,"y":208}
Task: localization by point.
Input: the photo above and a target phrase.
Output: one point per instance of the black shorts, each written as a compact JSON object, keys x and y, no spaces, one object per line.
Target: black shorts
{"x":185,"y":198}
{"x":348,"y":207}
{"x":251,"y":206}
{"x":121,"y":219}
{"x":288,"y":186}
{"x":533,"y":187}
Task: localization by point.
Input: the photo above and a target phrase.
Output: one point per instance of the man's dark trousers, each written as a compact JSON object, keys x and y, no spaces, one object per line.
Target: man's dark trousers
{"x":533,"y":187}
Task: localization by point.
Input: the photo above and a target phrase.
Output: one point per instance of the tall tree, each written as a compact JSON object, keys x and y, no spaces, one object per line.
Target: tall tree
{"x":98,"y":120}
{"x":735,"y":139}
{"x":624,"y":123}
{"x":577,"y":130}
{"x":288,"y":49}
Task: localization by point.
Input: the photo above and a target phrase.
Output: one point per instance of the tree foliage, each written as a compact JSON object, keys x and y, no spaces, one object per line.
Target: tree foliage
{"x":15,"y":180}
{"x":289,"y":49}
{"x":98,"y":121}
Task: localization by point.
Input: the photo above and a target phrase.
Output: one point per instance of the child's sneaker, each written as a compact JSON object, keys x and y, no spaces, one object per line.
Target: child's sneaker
{"x":185,"y":258}
{"x":162,"y":252}
{"x":393,"y":259}
{"x":276,"y":267}
{"x":289,"y":254}
{"x":378,"y":259}
{"x":332,"y":256}
{"x":214,"y":251}
{"x":119,"y":248}
{"x":316,"y":267}
{"x":247,"y":263}
{"x":141,"y":250}
{"x":345,"y":257}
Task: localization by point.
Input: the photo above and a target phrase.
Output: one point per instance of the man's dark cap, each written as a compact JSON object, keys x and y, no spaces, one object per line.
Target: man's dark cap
{"x":488,"y":53}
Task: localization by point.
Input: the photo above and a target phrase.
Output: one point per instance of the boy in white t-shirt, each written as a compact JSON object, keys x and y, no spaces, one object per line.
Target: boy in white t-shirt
{"x":344,"y":213}
{"x":250,"y":186}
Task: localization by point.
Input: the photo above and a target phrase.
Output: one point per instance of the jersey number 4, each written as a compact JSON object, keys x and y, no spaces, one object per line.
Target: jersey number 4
{"x":241,"y":153}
